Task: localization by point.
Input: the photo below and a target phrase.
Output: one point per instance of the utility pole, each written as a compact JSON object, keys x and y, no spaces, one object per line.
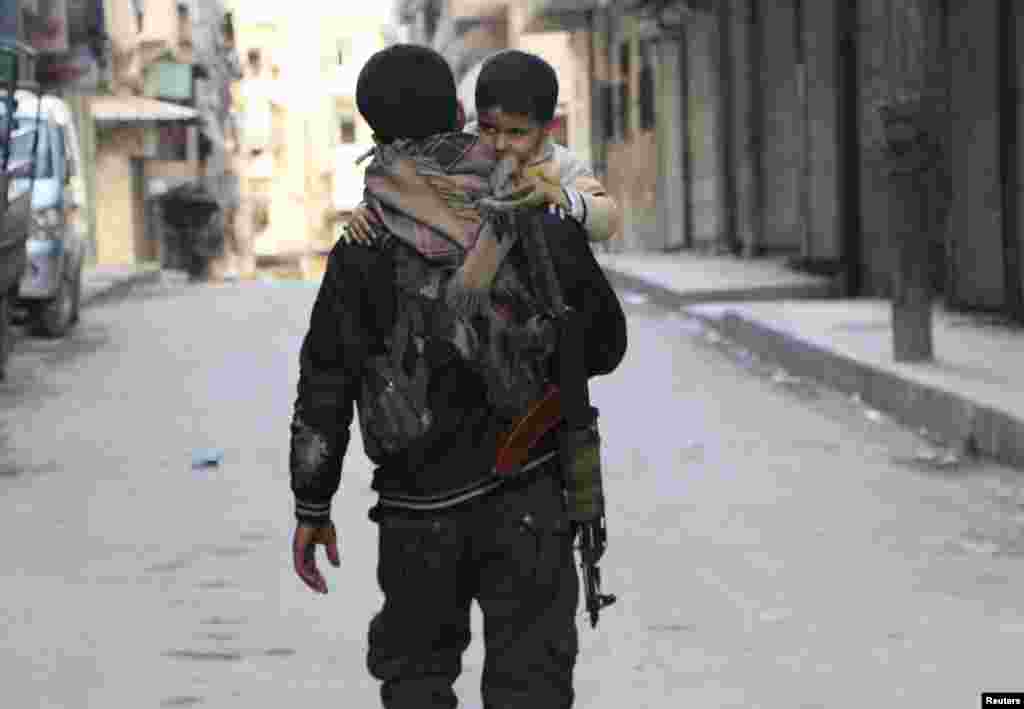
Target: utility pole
{"x":911,"y":155}
{"x":912,"y":123}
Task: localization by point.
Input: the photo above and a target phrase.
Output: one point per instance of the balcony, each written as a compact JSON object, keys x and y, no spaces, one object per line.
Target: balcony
{"x":558,"y":15}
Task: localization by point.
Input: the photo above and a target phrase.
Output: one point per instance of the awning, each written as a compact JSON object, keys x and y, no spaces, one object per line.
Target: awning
{"x":558,"y":15}
{"x":135,"y":109}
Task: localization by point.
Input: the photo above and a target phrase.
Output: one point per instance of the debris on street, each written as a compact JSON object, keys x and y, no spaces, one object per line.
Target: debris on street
{"x":207,"y":458}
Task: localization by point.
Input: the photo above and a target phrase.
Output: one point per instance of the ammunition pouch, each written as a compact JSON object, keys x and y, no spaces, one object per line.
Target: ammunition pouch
{"x":581,"y":468}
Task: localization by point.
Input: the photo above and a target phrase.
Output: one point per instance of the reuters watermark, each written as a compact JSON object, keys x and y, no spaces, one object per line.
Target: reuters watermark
{"x":1002,"y":699}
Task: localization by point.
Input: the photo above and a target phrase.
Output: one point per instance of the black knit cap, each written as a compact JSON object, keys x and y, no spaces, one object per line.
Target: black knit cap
{"x":517,"y":82}
{"x":407,"y":91}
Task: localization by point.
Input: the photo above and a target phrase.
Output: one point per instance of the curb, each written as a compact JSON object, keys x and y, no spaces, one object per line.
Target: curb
{"x":110,"y":288}
{"x":660,"y":295}
{"x":968,"y":424}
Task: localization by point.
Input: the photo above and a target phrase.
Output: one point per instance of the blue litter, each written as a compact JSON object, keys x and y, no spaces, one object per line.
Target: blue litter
{"x":207,"y":458}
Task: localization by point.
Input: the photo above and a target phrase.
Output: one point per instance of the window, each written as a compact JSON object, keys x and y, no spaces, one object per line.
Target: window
{"x":645,"y":91}
{"x":605,"y":111}
{"x":185,"y":19}
{"x":431,"y":19}
{"x":343,"y":50}
{"x":170,"y":81}
{"x":189,"y":9}
{"x":172,"y":142}
{"x":255,"y":59}
{"x":347,"y":130}
{"x":137,"y":5}
{"x":560,"y":129}
{"x":228,"y":28}
{"x":625,"y":75}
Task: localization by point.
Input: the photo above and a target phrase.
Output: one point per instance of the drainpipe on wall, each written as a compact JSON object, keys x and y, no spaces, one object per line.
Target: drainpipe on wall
{"x":600,"y":72}
{"x":599,"y":96}
{"x":1009,"y":108}
{"x":744,"y":123}
{"x":755,"y":55}
{"x":689,"y":227}
{"x":595,"y":124}
{"x":848,"y":112}
{"x":726,"y":146}
{"x":86,"y":129}
{"x":806,"y":250}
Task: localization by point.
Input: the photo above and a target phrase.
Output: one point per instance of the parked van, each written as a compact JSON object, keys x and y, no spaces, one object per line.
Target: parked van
{"x":17,"y":69}
{"x":50,"y":291}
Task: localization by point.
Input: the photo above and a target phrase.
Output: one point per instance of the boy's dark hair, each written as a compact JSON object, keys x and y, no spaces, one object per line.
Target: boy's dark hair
{"x":517,"y":82}
{"x":407,"y":91}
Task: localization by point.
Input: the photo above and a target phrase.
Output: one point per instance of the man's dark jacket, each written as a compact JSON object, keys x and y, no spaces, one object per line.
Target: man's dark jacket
{"x":352,"y":319}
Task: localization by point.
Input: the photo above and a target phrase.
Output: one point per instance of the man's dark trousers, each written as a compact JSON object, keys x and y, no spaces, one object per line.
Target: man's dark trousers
{"x":511,"y":551}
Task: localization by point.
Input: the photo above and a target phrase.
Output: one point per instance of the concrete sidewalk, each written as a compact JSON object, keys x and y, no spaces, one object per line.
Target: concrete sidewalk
{"x":971,"y":396}
{"x":684,"y":277}
{"x":102,"y":282}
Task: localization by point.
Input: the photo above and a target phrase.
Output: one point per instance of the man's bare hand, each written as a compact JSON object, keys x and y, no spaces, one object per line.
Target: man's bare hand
{"x":304,"y":545}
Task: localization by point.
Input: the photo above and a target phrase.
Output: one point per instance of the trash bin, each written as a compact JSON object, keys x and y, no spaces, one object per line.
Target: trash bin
{"x":194,"y":229}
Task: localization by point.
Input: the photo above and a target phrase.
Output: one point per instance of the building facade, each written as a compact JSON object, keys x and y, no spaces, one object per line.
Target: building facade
{"x":755,"y":127}
{"x":467,"y":32}
{"x":145,"y":82}
{"x":300,"y":130}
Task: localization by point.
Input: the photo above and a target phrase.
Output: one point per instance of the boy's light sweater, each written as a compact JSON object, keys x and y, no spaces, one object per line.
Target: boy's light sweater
{"x":598,"y":213}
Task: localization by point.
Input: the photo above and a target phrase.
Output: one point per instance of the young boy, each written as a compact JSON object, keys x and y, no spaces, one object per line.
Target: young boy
{"x":516,"y":94}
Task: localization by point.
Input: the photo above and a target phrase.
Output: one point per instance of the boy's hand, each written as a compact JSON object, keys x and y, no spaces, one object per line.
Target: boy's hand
{"x":358,"y":229}
{"x":304,"y":545}
{"x":546,"y":186}
{"x":518,"y":197}
{"x":527,"y":196}
{"x":544,"y":172}
{"x":535,"y":187}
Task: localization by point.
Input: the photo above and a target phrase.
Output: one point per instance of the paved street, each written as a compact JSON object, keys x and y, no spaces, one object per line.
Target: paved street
{"x":772,"y":544}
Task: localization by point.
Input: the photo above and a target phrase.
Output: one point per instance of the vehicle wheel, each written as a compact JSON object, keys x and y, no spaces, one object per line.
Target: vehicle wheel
{"x":19,"y":315}
{"x":5,"y":333}
{"x":76,"y":292}
{"x":55,"y":317}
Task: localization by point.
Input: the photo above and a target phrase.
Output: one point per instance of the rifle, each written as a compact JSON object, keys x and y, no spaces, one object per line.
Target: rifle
{"x":580,"y":440}
{"x":515,"y":445}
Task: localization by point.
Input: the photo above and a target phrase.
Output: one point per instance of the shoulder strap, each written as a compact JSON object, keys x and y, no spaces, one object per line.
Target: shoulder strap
{"x":572,"y":374}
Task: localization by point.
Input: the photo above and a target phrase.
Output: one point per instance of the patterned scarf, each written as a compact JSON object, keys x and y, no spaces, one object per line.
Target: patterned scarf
{"x":425,"y":192}
{"x":434,"y":195}
{"x":431,"y":194}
